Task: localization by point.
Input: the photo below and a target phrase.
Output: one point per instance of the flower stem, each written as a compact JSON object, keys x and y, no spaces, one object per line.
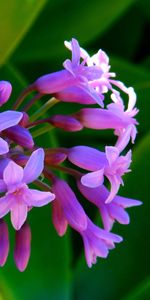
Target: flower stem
{"x":20,"y":99}
{"x":28,"y":105}
{"x":42,"y":130}
{"x":51,"y":102}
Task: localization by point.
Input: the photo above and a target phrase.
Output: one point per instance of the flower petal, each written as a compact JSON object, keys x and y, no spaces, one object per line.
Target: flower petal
{"x":5,"y":91}
{"x":13,"y":174}
{"x":34,"y":166}
{"x":87,"y":158}
{"x":9,"y":118}
{"x":112,"y":154}
{"x":3,"y":187}
{"x":5,"y":204}
{"x":71,"y":208}
{"x":93,"y":179}
{"x":119,"y":214}
{"x":19,"y":212}
{"x":115,"y":184}
{"x":38,"y":198}
{"x":3,"y":147}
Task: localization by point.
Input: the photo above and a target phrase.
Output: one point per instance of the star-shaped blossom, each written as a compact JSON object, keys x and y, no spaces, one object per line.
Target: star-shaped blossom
{"x":115,"y":168}
{"x":108,"y":163}
{"x":19,"y":197}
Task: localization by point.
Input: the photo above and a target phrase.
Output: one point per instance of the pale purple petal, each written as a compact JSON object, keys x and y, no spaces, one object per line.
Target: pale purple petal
{"x":19,"y":212}
{"x":54,"y":82}
{"x":119,"y":214}
{"x":5,"y":205}
{"x":106,"y":218}
{"x":3,"y":186}
{"x":22,"y":247}
{"x":9,"y":118}
{"x":115,"y":184}
{"x":34,"y":166}
{"x":72,"y":209}
{"x":87,"y":158}
{"x":97,"y":118}
{"x":5,"y":91}
{"x":112,"y":154}
{"x":126,"y":202}
{"x":75,"y":94}
{"x":93,"y":179}
{"x":124,"y":137}
{"x":3,"y":147}
{"x":38,"y":198}
{"x":75,"y":52}
{"x":4,"y":242}
{"x":3,"y":163}
{"x":13,"y":175}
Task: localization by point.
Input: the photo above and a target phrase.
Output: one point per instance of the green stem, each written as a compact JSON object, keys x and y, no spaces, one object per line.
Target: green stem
{"x":51,"y":102}
{"x":42,"y":130}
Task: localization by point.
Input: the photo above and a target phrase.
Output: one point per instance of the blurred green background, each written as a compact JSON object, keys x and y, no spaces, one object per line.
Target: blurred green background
{"x":32,"y":33}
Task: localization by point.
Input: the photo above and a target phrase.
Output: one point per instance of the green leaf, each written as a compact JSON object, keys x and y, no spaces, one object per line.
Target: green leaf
{"x":84,"y":20}
{"x":128,"y":264}
{"x":142,"y":291}
{"x":48,"y":273}
{"x":15,"y":20}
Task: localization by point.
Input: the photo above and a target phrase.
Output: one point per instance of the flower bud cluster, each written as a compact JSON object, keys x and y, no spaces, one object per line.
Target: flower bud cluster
{"x":83,"y":80}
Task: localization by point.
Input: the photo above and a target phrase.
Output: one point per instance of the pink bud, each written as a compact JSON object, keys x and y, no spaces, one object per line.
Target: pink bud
{"x":25,"y":119}
{"x":67,"y":123}
{"x":4,"y":242}
{"x":20,"y":135}
{"x":54,"y":156}
{"x":22,"y":247}
{"x":58,"y":218}
{"x":5,"y":91}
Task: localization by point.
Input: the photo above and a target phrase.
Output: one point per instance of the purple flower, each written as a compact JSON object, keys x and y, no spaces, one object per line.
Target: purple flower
{"x":110,"y":212}
{"x":97,"y":242}
{"x":67,"y":210}
{"x":5,"y":91}
{"x":19,"y":197}
{"x":75,"y":75}
{"x":109,"y":164}
{"x":7,"y":120}
{"x":72,"y":210}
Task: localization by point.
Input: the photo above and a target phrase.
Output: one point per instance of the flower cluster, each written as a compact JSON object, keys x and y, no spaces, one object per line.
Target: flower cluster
{"x":86,"y":80}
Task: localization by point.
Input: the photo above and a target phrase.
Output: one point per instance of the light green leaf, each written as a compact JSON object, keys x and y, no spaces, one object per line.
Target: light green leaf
{"x":142,"y":291}
{"x":16,"y":17}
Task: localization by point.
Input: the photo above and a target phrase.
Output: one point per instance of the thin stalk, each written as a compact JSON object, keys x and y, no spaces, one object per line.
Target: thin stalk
{"x":42,"y":185}
{"x":51,"y":102}
{"x":67,"y":170}
{"x":42,"y":130}
{"x":22,"y":96}
{"x":28,"y":105}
